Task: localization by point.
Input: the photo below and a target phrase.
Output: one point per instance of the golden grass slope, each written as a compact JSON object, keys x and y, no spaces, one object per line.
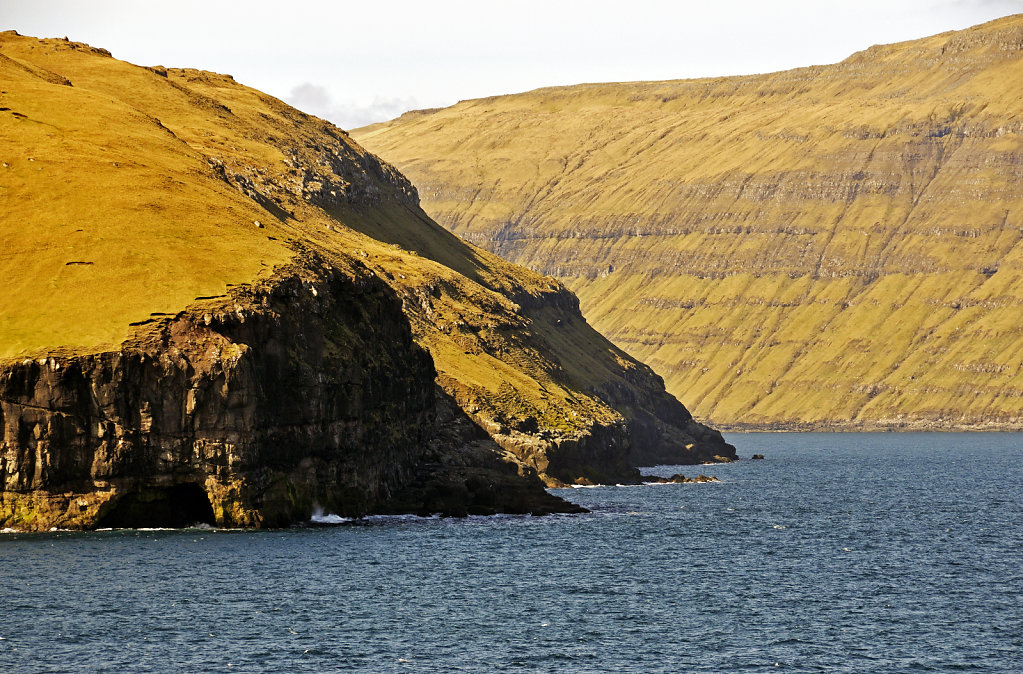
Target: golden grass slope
{"x":831,"y":246}
{"x":83,"y":170}
{"x":129,"y":193}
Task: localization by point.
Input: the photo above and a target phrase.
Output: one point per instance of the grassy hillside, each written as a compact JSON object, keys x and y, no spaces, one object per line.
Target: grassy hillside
{"x":834,"y":246}
{"x":83,"y":168}
{"x":130,"y":193}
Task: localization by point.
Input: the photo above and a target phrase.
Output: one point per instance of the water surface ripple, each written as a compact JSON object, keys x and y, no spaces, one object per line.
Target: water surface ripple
{"x":838,"y":553}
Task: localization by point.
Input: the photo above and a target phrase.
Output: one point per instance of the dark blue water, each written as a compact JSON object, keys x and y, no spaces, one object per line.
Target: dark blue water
{"x":850,"y":553}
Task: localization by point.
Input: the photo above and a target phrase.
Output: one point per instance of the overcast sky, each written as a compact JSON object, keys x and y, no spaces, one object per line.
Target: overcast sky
{"x":359,"y":62}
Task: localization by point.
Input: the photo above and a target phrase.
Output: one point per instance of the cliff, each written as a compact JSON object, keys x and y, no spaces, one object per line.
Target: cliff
{"x":220,"y":309}
{"x":828,"y":247}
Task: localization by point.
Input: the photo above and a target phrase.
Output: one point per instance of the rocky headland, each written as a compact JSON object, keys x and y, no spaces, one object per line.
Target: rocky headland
{"x":219,"y":309}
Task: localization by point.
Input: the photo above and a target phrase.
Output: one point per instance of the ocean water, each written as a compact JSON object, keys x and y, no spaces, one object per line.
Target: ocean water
{"x":838,"y":552}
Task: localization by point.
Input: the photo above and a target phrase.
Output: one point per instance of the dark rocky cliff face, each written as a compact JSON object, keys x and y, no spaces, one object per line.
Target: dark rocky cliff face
{"x":304,"y":391}
{"x":649,"y":426}
{"x":385,"y":365}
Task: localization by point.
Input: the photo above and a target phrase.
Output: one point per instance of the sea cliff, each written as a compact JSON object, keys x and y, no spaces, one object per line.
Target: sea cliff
{"x":220,"y":309}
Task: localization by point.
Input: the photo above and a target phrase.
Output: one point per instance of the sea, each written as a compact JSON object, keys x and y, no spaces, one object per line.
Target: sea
{"x":883,"y":552}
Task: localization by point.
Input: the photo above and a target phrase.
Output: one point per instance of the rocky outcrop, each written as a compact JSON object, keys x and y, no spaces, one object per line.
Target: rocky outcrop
{"x":301,"y":392}
{"x":616,"y":414}
{"x":679,"y":478}
{"x":463,"y":472}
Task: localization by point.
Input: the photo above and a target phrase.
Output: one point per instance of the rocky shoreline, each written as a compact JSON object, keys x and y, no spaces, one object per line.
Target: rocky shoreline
{"x":251,"y":412}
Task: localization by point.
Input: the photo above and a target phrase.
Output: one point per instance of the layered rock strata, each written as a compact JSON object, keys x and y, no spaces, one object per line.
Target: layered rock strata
{"x":304,"y":393}
{"x":828,"y":247}
{"x":309,"y":390}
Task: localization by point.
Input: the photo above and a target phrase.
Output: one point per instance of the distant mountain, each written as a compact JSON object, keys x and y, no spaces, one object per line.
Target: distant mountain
{"x":217,"y":308}
{"x":832,"y":247}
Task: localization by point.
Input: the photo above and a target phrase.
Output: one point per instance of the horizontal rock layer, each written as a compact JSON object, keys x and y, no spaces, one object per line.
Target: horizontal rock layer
{"x":303,"y":393}
{"x":295,"y":400}
{"x":828,"y":247}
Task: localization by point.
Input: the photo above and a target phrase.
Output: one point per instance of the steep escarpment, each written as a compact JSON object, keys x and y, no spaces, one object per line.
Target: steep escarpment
{"x":307,"y":390}
{"x":834,"y":246}
{"x":215,"y":300}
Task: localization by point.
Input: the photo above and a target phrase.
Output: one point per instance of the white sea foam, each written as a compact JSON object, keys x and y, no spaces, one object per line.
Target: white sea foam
{"x":329,"y":518}
{"x":320,"y":517}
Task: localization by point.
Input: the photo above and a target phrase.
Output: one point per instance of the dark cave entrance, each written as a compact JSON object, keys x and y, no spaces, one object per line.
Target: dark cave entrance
{"x":181,"y":505}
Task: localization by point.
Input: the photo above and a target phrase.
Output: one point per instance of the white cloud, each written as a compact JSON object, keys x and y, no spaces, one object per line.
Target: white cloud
{"x":347,"y":114}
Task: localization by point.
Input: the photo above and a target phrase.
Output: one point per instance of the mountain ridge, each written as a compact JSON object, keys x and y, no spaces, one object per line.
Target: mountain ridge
{"x":826,"y":247}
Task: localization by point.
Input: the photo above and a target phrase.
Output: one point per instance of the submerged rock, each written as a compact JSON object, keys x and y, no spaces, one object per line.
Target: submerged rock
{"x":679,"y":478}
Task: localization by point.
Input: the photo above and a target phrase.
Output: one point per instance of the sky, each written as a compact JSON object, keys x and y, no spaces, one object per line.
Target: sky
{"x":355,"y":63}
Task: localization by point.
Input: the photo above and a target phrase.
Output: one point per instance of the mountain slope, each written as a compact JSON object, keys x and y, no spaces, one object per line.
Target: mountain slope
{"x":834,"y":246}
{"x":201,"y":279}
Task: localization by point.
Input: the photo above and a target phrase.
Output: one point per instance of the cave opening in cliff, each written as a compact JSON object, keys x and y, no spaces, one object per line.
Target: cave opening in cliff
{"x":177,"y":506}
